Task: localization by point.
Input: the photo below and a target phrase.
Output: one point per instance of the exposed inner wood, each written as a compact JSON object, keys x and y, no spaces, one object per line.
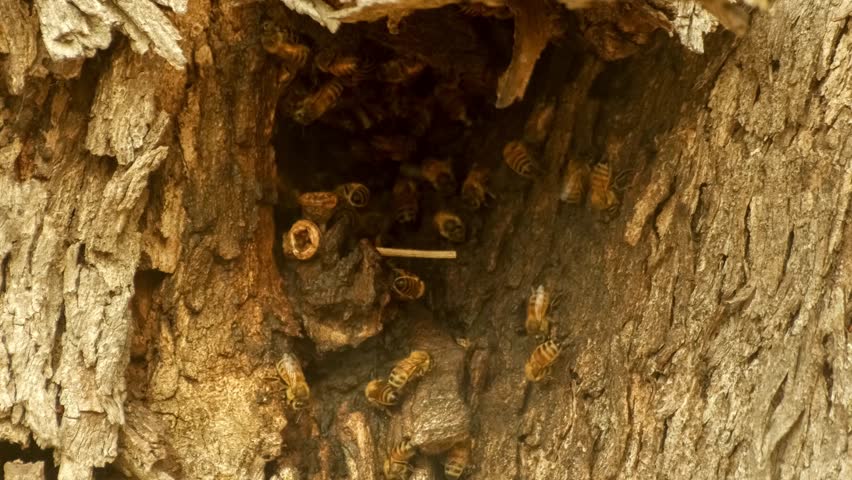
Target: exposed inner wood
{"x":146,"y":183}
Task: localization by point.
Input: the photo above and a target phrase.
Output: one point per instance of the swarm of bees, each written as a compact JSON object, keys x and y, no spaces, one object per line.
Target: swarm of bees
{"x":395,"y":111}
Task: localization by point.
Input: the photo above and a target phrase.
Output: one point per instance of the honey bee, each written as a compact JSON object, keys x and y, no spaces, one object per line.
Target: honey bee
{"x":397,"y":466}
{"x":296,"y":392}
{"x":356,"y":194}
{"x":575,"y":182}
{"x":412,"y":367}
{"x":450,"y":226}
{"x":440,"y":174}
{"x":517,"y":156}
{"x":401,"y":70}
{"x":457,"y":459}
{"x":380,"y":394}
{"x":341,"y":65}
{"x":397,"y":148}
{"x":540,"y":361}
{"x":537,"y":322}
{"x":316,"y":104}
{"x":474,"y":190}
{"x":406,"y":201}
{"x":282,"y":43}
{"x":538,"y":125}
{"x":601,"y":196}
{"x":406,"y":285}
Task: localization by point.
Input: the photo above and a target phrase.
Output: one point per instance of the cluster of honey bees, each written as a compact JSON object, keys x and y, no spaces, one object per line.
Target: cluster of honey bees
{"x":398,"y":466}
{"x":387,"y":393}
{"x":389,"y":108}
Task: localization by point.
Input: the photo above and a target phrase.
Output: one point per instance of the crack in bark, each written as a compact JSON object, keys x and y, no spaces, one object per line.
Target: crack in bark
{"x":34,"y":241}
{"x":777,"y":397}
{"x":701,"y":209}
{"x":747,"y":240}
{"x":664,"y":436}
{"x":832,"y":52}
{"x":791,"y":237}
{"x":4,"y":272}
{"x":827,"y":369}
{"x":791,"y":321}
{"x":753,"y":356}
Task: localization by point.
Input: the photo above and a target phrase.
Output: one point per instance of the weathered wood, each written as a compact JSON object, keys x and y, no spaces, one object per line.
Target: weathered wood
{"x":18,"y":470}
{"x":705,"y":328}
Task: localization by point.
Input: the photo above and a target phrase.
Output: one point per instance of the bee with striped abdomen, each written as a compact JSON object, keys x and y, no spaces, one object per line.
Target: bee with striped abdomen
{"x":406,"y":285}
{"x":283,"y":43}
{"x":316,"y":104}
{"x":401,"y":70}
{"x":450,"y":226}
{"x":474,"y":189}
{"x":406,"y":201}
{"x":341,"y":64}
{"x":575,"y":182}
{"x":440,"y":174}
{"x":397,"y":466}
{"x":381,"y":394}
{"x":517,"y":156}
{"x":602,"y":198}
{"x":537,"y":321}
{"x":410,"y":368}
{"x":457,"y":459}
{"x":356,"y":194}
{"x":296,"y":389}
{"x":540,"y":361}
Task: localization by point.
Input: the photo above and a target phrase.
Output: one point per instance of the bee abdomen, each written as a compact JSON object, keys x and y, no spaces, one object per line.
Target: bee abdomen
{"x":318,"y":103}
{"x":473,"y":196}
{"x":518,"y":158}
{"x":450,"y":226}
{"x":407,"y":286}
{"x":356,"y":194}
{"x":547,"y":352}
{"x":406,"y":202}
{"x":457,"y":459}
{"x":380,"y":392}
{"x":573,"y":193}
{"x":600,"y":176}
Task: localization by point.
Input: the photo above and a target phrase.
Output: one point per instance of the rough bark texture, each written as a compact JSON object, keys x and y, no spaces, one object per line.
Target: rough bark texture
{"x":143,"y":303}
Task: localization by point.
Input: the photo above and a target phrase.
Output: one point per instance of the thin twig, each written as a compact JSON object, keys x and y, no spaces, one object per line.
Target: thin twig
{"x":405,"y":252}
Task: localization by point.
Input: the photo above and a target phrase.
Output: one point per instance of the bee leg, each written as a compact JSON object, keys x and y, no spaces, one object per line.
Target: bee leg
{"x":620,"y":182}
{"x":556,"y":299}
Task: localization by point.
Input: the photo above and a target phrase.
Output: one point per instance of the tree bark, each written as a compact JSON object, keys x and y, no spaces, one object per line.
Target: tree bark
{"x":144,"y":303}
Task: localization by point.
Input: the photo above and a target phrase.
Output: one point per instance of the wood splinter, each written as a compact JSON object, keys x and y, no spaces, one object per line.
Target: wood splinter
{"x":408,"y":253}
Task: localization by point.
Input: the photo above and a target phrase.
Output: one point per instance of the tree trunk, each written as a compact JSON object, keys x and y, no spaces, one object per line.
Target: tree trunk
{"x":145,"y":301}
